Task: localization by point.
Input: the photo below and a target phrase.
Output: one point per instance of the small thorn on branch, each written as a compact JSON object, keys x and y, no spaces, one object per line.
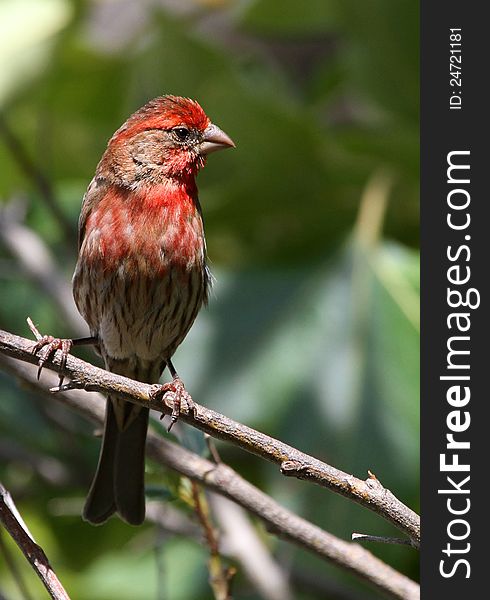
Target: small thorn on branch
{"x":291,"y":468}
{"x":34,"y":329}
{"x":373,"y":482}
{"x":66,"y":387}
{"x":362,"y":537}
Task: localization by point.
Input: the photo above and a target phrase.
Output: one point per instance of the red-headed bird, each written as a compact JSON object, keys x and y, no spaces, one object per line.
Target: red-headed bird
{"x":141,"y":275}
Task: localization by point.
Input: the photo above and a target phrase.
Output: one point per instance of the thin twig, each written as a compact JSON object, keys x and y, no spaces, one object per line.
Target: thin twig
{"x":240,"y":539}
{"x":13,"y":523}
{"x":202,"y":512}
{"x":239,"y":542}
{"x":219,"y":577}
{"x":226,"y":482}
{"x":364,"y":537}
{"x":213,"y":451}
{"x":369,"y":493}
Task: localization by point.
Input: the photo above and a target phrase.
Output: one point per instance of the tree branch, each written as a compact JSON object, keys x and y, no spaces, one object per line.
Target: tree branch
{"x":369,"y":493}
{"x":13,"y":523}
{"x":223,"y":480}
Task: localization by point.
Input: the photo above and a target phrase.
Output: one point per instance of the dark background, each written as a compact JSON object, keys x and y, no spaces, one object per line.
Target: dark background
{"x":444,"y":130}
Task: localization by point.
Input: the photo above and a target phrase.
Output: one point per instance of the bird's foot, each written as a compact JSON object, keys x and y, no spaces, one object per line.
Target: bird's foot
{"x":175,"y":387}
{"x":47,"y":345}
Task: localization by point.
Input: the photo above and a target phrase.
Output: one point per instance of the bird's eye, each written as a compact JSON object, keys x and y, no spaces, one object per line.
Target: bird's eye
{"x":182,"y":133}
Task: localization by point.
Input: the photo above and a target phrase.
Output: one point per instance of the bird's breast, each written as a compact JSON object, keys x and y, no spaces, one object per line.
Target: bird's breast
{"x":153,"y":228}
{"x":142,"y":272}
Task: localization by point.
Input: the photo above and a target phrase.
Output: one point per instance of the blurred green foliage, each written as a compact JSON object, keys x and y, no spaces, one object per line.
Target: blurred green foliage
{"x":312,"y":223}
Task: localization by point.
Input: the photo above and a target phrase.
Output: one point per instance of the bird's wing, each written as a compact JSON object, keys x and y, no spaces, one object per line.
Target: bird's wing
{"x":96,"y":190}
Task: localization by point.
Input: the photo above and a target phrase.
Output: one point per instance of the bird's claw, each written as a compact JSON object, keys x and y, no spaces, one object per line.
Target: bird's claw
{"x":48,"y":345}
{"x":177,"y":388}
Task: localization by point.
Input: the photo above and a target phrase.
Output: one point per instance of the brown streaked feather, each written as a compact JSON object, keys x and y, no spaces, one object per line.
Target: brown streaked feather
{"x":96,"y":190}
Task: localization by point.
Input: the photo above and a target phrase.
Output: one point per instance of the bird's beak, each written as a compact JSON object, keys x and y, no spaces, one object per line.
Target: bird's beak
{"x":214,"y":139}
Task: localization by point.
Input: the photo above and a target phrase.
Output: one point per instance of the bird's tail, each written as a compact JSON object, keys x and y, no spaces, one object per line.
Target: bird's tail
{"x":118,"y":485}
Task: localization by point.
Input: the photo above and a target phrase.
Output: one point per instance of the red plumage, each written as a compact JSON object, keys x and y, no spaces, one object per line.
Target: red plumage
{"x":141,"y":275}
{"x":164,"y":112}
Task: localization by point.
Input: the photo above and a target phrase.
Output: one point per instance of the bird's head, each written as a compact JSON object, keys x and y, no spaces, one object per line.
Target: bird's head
{"x":170,"y":136}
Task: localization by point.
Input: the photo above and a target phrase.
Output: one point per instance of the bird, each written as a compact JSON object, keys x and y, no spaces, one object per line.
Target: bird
{"x":142,"y":276}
